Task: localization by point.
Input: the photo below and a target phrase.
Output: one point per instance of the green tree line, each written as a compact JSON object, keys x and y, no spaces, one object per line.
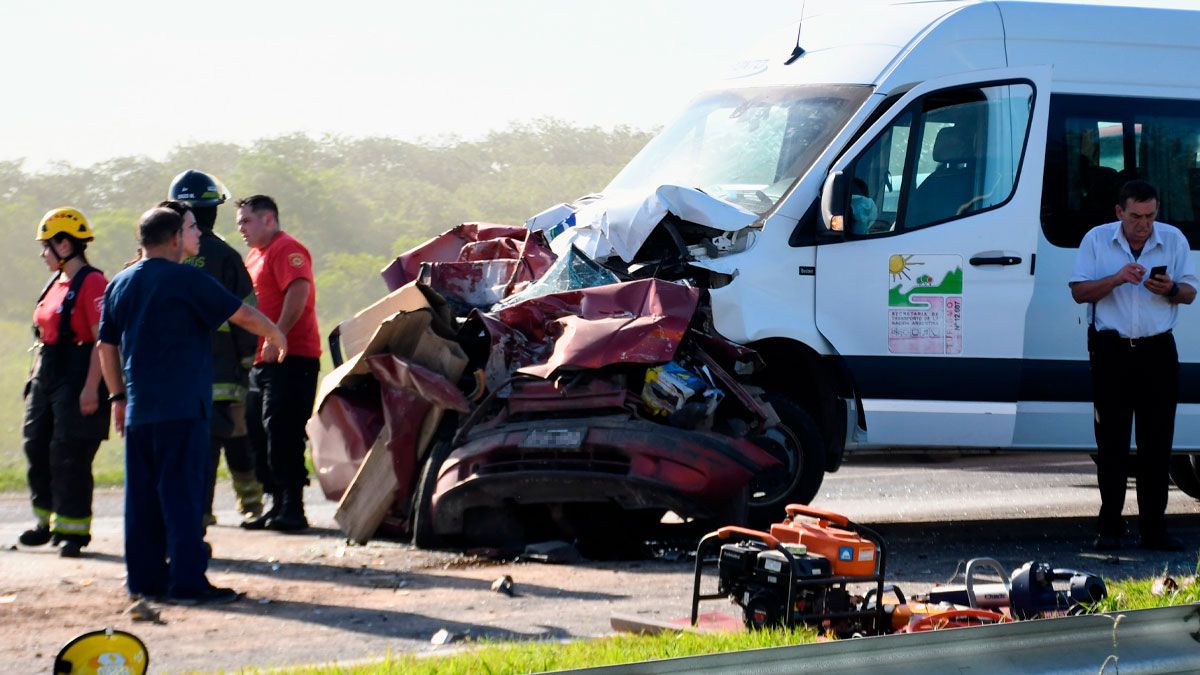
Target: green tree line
{"x":355,"y":202}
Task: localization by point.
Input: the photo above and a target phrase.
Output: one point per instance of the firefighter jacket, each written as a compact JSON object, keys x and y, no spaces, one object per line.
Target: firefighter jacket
{"x":233,"y":347}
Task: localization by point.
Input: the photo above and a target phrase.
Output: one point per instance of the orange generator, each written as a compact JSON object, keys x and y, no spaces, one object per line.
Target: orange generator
{"x":852,"y":555}
{"x":799,"y":573}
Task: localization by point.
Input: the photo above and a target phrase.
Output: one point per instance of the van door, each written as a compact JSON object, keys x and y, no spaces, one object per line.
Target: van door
{"x":925,"y":294}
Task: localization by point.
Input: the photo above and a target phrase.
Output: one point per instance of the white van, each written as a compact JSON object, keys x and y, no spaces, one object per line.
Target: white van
{"x":923,"y":173}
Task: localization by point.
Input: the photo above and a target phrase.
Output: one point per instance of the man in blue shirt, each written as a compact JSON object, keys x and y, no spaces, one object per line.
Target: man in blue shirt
{"x":156,"y":355}
{"x":1136,"y":273}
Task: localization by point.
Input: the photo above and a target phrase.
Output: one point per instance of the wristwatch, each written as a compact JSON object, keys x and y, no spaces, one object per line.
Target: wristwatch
{"x":119,"y":396}
{"x":1174,"y":290}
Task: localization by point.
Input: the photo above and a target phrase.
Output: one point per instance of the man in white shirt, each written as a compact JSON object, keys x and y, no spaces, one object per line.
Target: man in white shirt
{"x":1135,"y":273}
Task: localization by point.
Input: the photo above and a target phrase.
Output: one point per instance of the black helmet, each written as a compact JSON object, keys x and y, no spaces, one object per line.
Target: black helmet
{"x":196,"y":188}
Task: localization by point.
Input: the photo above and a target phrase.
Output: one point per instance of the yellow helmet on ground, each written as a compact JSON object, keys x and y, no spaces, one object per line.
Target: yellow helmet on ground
{"x":64,"y":220}
{"x":101,"y":652}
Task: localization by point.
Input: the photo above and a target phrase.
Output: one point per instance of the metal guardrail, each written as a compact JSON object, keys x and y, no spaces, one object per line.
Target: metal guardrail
{"x":1163,"y":640}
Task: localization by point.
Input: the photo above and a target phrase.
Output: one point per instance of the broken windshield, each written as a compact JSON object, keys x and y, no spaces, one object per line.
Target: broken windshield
{"x":744,"y":145}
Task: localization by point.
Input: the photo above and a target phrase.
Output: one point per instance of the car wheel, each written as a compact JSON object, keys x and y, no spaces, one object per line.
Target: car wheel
{"x":801,"y":451}
{"x":1184,"y":475}
{"x":423,"y":535}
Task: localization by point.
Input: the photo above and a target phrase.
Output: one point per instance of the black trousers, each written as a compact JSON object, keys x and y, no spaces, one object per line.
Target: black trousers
{"x":1134,"y":380}
{"x":278,"y":405}
{"x":60,"y":442}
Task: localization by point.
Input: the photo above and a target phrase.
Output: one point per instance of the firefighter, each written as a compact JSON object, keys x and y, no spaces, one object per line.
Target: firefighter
{"x":66,"y":403}
{"x":233,"y":347}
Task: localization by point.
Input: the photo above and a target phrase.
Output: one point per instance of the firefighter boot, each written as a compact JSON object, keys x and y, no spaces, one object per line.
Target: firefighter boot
{"x":73,"y":545}
{"x":263,"y":521}
{"x":39,"y":535}
{"x":249,"y":494}
{"x":291,"y":516}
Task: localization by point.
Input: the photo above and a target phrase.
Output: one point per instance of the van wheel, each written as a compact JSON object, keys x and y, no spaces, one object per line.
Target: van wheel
{"x":423,"y":535}
{"x":1185,"y":475}
{"x":801,"y":450}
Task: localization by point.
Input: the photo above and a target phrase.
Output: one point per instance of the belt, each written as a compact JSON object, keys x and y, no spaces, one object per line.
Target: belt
{"x":1113,"y":337}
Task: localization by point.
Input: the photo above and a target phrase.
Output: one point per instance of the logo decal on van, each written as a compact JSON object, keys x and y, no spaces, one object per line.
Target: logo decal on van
{"x":925,"y":304}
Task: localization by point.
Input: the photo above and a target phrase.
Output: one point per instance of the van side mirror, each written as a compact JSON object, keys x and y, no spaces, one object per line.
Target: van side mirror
{"x":833,"y":203}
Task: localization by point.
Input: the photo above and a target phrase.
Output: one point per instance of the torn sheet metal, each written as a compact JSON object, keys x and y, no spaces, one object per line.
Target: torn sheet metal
{"x":620,"y":222}
{"x":558,"y":219}
{"x":446,"y":247}
{"x":633,"y":322}
{"x":342,"y":430}
{"x":469,"y":285}
{"x":474,"y":265}
{"x":413,"y":401}
{"x":413,"y":334}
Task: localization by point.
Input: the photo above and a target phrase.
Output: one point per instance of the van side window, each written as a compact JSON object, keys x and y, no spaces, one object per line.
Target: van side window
{"x":1097,"y":143}
{"x":949,"y":154}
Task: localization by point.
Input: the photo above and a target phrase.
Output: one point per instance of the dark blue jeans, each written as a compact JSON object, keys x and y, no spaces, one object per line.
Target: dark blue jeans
{"x":166,"y":494}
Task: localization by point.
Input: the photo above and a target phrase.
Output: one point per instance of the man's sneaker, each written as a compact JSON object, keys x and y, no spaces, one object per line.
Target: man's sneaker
{"x":1107,"y":542}
{"x":1162,"y":542}
{"x":39,"y":535}
{"x":213,"y":595}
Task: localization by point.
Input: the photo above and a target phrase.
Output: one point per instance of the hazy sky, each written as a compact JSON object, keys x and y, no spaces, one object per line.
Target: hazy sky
{"x":87,"y":81}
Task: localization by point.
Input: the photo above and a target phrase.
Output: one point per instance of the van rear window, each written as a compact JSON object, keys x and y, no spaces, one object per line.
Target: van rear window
{"x":1097,"y":143}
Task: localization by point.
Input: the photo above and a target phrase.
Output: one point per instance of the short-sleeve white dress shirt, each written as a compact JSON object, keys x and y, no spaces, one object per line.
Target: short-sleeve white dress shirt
{"x":1130,"y":309}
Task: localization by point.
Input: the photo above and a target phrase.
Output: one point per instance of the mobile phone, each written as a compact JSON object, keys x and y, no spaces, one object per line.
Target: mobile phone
{"x":1157,"y":270}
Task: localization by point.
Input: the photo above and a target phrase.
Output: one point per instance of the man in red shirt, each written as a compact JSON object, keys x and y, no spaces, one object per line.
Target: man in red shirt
{"x":281,"y":394}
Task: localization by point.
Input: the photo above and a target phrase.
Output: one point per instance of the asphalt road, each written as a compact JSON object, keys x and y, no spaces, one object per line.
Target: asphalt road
{"x":312,"y":599}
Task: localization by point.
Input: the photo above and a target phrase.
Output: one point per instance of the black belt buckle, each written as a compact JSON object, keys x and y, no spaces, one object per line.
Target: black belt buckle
{"x":1135,"y":342}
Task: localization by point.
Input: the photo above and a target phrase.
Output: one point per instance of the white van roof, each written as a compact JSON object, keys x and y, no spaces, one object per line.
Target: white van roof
{"x":1149,"y":49}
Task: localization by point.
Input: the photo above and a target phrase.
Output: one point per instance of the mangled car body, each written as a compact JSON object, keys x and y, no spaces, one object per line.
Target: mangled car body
{"x":545,"y":397}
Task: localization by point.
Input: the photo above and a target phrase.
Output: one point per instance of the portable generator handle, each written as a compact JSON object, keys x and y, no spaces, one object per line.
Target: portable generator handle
{"x":887,"y":588}
{"x":976,"y":563}
{"x":731,"y":530}
{"x":805,"y":510}
{"x":955,"y":616}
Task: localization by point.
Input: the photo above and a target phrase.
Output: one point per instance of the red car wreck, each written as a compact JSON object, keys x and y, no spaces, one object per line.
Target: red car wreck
{"x":526,"y":398}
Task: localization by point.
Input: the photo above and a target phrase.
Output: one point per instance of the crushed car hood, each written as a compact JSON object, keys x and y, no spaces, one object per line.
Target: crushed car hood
{"x":620,"y":222}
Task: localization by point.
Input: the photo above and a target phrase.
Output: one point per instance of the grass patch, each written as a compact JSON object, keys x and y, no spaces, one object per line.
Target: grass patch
{"x":540,"y":657}
{"x":1130,"y":594}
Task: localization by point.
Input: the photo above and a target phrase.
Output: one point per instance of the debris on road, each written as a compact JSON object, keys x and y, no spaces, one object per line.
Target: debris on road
{"x":503,"y":585}
{"x":141,"y":610}
{"x":445,"y":637}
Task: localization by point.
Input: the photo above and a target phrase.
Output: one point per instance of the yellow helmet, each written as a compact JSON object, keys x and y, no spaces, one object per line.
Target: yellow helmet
{"x":64,"y":220}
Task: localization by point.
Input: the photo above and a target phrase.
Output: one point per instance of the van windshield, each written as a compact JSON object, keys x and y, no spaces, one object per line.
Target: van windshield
{"x":744,"y":145}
